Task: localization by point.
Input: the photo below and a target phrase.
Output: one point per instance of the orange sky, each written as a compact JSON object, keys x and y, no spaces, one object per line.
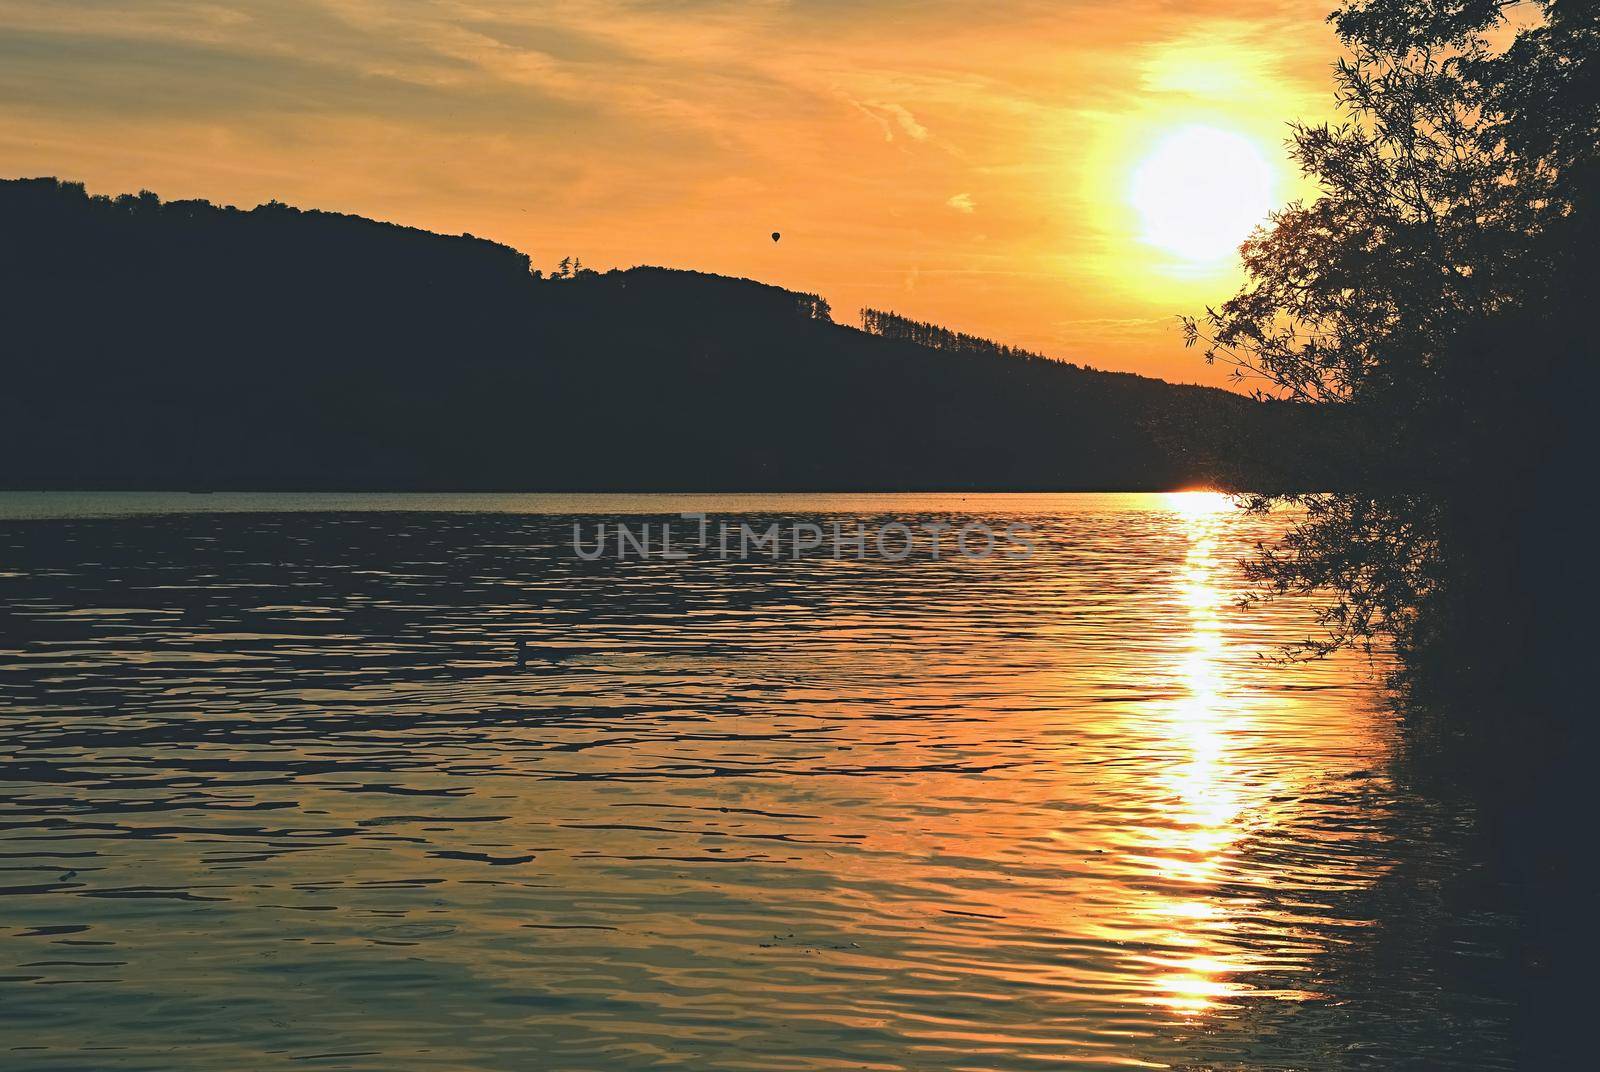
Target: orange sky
{"x":955,"y":160}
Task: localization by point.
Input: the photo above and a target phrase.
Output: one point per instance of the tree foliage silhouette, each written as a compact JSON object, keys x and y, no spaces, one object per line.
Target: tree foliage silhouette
{"x":1435,"y":291}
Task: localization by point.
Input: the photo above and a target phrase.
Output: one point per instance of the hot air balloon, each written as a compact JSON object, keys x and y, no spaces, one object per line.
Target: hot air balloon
{"x":776,"y":235}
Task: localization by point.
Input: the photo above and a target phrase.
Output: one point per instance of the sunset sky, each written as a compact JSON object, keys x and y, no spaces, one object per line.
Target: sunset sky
{"x":1013,"y":169}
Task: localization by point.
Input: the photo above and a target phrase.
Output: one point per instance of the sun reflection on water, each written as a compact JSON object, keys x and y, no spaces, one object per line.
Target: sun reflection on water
{"x":1207,"y":796}
{"x":1199,"y":503}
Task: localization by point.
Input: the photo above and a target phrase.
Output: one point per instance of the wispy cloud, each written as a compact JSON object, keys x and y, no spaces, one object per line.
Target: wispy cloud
{"x":892,"y":120}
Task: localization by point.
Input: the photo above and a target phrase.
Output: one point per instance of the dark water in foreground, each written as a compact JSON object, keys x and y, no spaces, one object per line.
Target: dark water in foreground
{"x":274,"y":794}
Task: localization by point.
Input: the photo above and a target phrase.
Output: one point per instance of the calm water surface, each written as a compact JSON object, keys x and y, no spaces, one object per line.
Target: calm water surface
{"x":274,"y":793}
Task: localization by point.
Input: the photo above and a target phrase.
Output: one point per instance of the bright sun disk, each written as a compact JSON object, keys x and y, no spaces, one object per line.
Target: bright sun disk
{"x":1201,"y":191}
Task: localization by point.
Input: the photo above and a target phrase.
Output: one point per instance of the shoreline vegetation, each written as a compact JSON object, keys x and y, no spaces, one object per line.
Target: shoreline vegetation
{"x":187,"y":346}
{"x":1439,"y":293}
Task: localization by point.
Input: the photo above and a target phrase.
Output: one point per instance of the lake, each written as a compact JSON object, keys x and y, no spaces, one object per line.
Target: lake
{"x":278,"y":792}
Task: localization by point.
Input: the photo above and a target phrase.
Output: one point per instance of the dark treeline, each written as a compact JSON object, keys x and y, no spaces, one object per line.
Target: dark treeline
{"x":154,"y":344}
{"x":891,"y":325}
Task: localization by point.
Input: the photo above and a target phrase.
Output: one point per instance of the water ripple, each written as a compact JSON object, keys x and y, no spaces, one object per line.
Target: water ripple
{"x":277,"y":794}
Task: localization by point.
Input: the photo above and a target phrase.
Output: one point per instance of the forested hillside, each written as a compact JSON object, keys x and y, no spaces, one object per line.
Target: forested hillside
{"x":186,"y":345}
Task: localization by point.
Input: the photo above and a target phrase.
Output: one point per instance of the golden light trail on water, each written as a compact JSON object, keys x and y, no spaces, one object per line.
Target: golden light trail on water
{"x":1208,"y":799}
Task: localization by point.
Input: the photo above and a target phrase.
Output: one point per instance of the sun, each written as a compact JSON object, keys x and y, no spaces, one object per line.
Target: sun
{"x":1201,"y":191}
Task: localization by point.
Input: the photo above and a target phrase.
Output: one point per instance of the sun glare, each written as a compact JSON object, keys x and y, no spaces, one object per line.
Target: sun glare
{"x":1199,"y":503}
{"x":1201,"y":191}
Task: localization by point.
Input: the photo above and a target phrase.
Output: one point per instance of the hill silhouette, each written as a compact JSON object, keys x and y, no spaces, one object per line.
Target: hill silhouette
{"x":153,"y":344}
